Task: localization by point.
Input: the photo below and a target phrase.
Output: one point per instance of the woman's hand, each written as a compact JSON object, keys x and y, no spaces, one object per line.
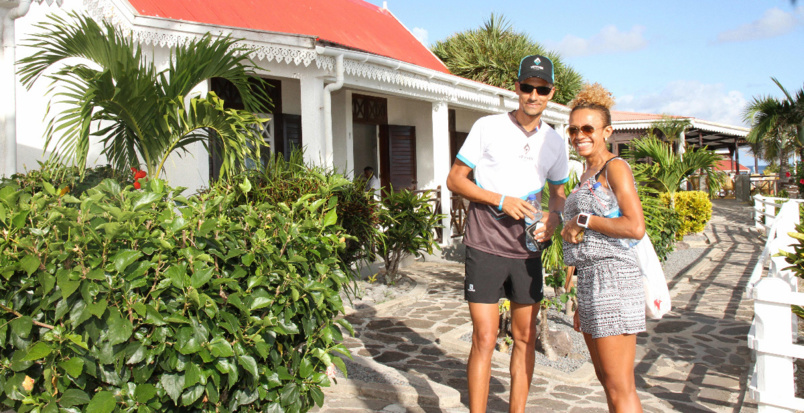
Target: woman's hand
{"x":576,"y":321}
{"x":572,"y":232}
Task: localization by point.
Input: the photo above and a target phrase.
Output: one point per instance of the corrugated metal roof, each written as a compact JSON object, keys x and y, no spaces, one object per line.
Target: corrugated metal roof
{"x":618,"y":116}
{"x":351,"y":23}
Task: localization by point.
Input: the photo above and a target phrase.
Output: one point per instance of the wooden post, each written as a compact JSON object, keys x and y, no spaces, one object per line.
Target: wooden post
{"x":774,"y":374}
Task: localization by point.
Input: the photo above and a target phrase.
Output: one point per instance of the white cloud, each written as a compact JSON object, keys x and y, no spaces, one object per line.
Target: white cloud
{"x":609,"y":40}
{"x":690,"y":98}
{"x":420,"y":34}
{"x":775,"y":22}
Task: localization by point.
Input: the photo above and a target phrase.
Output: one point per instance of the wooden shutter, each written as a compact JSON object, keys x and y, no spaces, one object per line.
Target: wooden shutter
{"x":398,"y":157}
{"x":291,"y":135}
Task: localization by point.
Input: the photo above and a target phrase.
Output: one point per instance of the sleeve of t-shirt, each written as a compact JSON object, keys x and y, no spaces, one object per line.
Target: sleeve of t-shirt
{"x":472,"y":148}
{"x":559,"y":172}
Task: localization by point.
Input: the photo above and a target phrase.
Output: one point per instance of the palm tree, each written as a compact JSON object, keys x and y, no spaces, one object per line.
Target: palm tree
{"x":669,"y":168}
{"x":671,"y":128}
{"x":778,"y":125}
{"x":141,"y":115}
{"x":491,"y":54}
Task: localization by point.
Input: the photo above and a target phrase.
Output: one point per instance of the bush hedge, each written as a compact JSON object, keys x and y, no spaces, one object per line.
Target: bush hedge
{"x":143,"y":300}
{"x":693,"y":209}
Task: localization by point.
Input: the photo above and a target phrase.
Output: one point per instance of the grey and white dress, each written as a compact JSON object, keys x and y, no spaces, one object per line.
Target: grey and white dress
{"x":611,"y":296}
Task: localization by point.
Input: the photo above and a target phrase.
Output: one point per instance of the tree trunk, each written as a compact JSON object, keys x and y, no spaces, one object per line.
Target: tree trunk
{"x":544,"y":336}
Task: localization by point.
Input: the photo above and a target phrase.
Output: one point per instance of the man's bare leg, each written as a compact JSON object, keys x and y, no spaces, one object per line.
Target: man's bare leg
{"x":485,"y":326}
{"x":523,"y":328}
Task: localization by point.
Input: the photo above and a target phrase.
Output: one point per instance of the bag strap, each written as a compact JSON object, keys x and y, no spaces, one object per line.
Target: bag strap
{"x":597,"y":175}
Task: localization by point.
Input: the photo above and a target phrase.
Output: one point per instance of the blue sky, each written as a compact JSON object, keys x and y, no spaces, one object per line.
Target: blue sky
{"x":704,"y":58}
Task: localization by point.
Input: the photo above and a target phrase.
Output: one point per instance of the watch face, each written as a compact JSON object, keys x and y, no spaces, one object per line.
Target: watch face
{"x":583,"y":219}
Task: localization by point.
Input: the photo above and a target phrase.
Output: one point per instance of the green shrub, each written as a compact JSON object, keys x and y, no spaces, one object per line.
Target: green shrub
{"x":144,"y":301}
{"x":66,"y":179}
{"x":693,"y":208}
{"x":409,"y":224}
{"x":796,"y":259}
{"x":281,"y":181}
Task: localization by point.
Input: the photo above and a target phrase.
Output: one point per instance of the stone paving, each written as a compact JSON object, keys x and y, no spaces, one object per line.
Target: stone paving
{"x":693,"y":360}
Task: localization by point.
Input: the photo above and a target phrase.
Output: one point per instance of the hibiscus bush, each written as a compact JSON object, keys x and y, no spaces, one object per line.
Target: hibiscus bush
{"x":130,"y":300}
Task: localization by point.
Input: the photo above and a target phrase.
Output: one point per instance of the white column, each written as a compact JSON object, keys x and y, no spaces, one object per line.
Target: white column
{"x":312,"y":120}
{"x":350,"y":141}
{"x":441,"y":163}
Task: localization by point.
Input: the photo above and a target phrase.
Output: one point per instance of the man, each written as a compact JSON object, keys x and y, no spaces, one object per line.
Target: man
{"x":372,"y":183}
{"x":512,"y":155}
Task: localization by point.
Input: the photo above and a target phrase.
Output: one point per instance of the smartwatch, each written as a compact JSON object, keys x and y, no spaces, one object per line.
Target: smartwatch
{"x":583,"y":220}
{"x":560,"y":216}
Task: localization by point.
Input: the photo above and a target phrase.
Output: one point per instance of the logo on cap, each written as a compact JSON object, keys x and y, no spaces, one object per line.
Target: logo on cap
{"x":537,"y":61}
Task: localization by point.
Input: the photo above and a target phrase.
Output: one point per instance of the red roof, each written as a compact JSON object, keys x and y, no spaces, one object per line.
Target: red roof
{"x":727,"y":165}
{"x":355,"y":24}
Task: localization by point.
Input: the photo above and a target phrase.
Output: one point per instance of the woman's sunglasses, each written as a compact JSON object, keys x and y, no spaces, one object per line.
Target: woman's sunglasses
{"x":587,"y":130}
{"x":541,"y":90}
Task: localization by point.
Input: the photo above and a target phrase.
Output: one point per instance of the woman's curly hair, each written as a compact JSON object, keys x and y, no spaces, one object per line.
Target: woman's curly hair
{"x":595,"y":97}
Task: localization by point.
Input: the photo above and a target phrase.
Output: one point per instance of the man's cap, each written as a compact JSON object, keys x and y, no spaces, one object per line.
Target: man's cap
{"x":536,"y":66}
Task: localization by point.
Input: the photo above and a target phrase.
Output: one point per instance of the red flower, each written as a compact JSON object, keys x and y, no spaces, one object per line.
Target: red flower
{"x":801,"y":181}
{"x":787,"y":174}
{"x":136,"y":185}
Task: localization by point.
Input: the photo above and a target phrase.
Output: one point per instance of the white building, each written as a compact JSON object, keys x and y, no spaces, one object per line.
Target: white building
{"x":391,"y":104}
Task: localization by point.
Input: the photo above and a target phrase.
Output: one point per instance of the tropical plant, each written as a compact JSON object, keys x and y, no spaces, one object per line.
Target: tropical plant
{"x":693,"y":209}
{"x":491,"y":54}
{"x":139,"y":113}
{"x":670,"y":128}
{"x":777,"y":125}
{"x":669,"y":168}
{"x":409,"y":224}
{"x":143,"y":300}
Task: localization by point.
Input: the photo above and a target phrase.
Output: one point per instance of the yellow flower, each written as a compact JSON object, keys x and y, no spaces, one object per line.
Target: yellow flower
{"x":27,"y":384}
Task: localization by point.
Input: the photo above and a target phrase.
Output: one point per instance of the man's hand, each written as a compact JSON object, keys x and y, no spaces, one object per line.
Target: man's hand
{"x":546,"y":232}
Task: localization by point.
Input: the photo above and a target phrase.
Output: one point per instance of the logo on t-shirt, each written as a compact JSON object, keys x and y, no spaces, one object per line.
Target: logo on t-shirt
{"x":525,"y":156}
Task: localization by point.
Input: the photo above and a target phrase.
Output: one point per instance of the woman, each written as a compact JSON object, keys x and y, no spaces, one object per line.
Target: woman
{"x":611,"y":302}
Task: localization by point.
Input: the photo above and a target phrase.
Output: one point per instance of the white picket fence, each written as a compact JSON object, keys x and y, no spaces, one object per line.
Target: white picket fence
{"x":774,"y":331}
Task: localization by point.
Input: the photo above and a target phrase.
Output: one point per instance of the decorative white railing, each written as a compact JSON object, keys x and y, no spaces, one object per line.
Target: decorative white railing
{"x":774,"y":331}
{"x":765,"y":208}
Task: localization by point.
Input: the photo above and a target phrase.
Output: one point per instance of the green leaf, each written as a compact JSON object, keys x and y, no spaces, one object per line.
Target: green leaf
{"x":18,"y":220}
{"x":201,"y":277}
{"x":245,"y":186}
{"x":305,"y":368}
{"x":192,"y":375}
{"x":249,"y":364}
{"x":37,"y":351}
{"x":74,"y":367}
{"x":97,"y":309}
{"x":145,"y":200}
{"x":318,"y":395}
{"x":220,"y":348}
{"x":192,"y":394}
{"x":22,"y":326}
{"x":331,"y":218}
{"x":120,"y":329}
{"x":144,"y":392}
{"x":29,"y":264}
{"x":66,"y":285}
{"x":177,"y":273}
{"x":124,"y":258}
{"x":73,"y":397}
{"x":173,"y":385}
{"x":102,"y":402}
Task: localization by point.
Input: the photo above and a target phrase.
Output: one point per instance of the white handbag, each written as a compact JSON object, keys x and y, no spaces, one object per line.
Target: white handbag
{"x":657,"y":296}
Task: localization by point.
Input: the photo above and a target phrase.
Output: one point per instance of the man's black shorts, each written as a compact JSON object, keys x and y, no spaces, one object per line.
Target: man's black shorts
{"x":490,"y":277}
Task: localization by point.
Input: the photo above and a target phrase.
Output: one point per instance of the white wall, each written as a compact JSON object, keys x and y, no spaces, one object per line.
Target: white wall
{"x":465,"y":118}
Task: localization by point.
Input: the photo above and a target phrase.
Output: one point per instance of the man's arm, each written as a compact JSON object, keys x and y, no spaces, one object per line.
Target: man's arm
{"x":459,"y":183}
{"x":555,"y":206}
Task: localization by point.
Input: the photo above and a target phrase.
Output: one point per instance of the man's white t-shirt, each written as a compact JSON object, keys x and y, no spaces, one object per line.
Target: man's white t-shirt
{"x":509,"y":160}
